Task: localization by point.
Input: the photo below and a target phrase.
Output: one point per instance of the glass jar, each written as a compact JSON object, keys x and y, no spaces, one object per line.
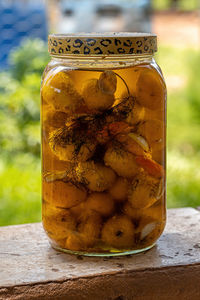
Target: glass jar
{"x":103,"y":144}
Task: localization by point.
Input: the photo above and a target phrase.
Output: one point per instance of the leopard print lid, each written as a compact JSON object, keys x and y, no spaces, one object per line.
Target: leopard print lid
{"x":102,"y":44}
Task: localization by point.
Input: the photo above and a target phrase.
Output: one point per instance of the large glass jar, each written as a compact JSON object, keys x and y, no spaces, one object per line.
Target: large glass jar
{"x":103,"y":144}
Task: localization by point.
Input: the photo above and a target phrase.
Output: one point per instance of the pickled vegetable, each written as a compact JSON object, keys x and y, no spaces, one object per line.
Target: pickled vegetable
{"x":152,"y":130}
{"x":121,"y":161}
{"x":150,"y":89}
{"x":119,"y":190}
{"x":98,"y":94}
{"x":90,"y":229}
{"x":95,"y":176}
{"x":70,"y":145}
{"x":61,"y":194}
{"x":144,"y":191}
{"x":58,"y":222}
{"x":101,"y":203}
{"x":118,"y":232}
{"x":59,"y":91}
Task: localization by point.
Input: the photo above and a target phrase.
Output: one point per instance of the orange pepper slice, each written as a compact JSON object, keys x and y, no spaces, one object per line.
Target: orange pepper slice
{"x":150,"y":166}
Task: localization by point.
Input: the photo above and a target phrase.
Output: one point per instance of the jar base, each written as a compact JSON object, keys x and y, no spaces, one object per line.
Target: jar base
{"x":109,"y":254}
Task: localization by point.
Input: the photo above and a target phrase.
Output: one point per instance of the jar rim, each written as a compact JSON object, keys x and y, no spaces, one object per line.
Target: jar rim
{"x":102,"y":44}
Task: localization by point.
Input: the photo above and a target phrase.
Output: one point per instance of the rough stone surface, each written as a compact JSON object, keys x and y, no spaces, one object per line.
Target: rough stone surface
{"x":31,"y":269}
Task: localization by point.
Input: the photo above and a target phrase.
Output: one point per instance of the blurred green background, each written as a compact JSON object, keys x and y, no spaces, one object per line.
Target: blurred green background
{"x":183,"y":5}
{"x":20,"y":199}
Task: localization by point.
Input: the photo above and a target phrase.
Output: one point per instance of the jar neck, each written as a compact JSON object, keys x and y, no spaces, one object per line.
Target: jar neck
{"x":102,"y":61}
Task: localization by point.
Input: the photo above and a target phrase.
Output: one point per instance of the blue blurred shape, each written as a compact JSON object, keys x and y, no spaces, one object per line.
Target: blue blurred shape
{"x":18,"y":20}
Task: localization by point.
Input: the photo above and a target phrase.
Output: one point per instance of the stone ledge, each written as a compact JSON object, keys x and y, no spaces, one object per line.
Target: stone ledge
{"x":31,"y":269}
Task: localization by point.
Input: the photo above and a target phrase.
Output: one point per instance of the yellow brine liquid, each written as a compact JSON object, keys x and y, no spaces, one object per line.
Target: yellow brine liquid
{"x":103,"y":153}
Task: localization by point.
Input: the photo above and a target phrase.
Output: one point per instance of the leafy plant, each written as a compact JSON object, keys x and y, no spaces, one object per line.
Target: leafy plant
{"x":20,"y":99}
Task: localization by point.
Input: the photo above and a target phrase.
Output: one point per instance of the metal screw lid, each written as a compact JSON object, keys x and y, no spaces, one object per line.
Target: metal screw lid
{"x":102,"y":44}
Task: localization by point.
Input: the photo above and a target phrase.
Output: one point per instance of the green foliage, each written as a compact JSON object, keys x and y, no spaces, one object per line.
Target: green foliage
{"x":20,"y":134}
{"x":19,"y":100}
{"x":183,"y":179}
{"x":183,"y":187}
{"x":193,"y":88}
{"x":161,"y":4}
{"x":184,"y":5}
{"x":20,"y":190}
{"x":30,"y":58}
